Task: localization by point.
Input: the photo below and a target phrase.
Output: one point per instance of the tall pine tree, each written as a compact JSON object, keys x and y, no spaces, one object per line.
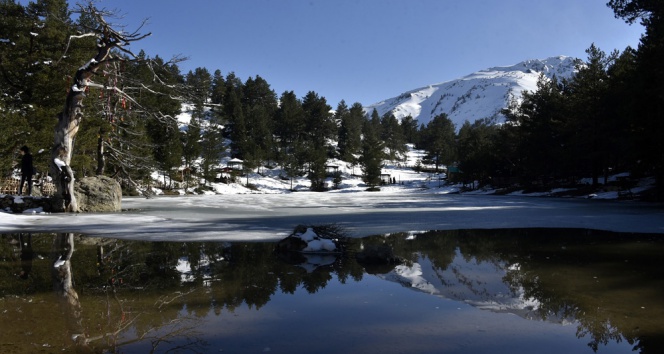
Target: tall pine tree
{"x":350,"y":133}
{"x":592,"y":130}
{"x":372,"y":157}
{"x":438,"y":139}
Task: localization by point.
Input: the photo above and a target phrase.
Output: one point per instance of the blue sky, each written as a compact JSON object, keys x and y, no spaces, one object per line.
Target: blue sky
{"x":369,"y":50}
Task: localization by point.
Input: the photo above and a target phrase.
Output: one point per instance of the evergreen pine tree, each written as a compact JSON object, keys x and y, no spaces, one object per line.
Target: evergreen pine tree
{"x":163,"y":134}
{"x":191,"y":146}
{"x":371,"y":160}
{"x":410,"y":129}
{"x":622,"y":153}
{"x":199,"y":83}
{"x":167,"y":148}
{"x":341,"y":115}
{"x":647,"y":116}
{"x":374,"y":119}
{"x":317,"y":156}
{"x":319,"y":123}
{"x":392,"y":136}
{"x":259,"y":105}
{"x":217,"y":98}
{"x":475,"y":150}
{"x":33,"y":73}
{"x":356,"y":120}
{"x":438,"y":139}
{"x":212,"y":147}
{"x":259,"y":134}
{"x":589,"y":90}
{"x":320,"y":130}
{"x":544,"y":130}
{"x":236,"y":125}
{"x":289,"y":128}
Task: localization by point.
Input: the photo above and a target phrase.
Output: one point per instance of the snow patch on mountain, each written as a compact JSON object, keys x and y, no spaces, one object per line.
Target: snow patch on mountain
{"x":480,"y":95}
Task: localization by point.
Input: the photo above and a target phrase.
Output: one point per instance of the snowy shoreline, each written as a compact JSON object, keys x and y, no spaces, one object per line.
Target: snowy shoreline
{"x":271,"y":217}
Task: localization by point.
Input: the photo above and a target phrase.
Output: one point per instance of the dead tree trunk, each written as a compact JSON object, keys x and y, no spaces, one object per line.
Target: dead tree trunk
{"x":71,"y":117}
{"x":101,"y":163}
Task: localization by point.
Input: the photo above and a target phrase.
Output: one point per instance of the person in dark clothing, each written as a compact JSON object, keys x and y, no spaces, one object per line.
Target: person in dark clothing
{"x":27,"y":170}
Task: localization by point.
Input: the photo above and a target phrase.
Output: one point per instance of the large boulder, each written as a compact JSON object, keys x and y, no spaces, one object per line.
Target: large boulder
{"x":98,"y":194}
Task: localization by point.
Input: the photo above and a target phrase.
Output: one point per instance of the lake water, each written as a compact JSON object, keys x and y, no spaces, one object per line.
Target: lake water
{"x":464,"y":291}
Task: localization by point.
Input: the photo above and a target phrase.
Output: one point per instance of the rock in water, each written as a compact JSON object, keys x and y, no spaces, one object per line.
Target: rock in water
{"x":98,"y":194}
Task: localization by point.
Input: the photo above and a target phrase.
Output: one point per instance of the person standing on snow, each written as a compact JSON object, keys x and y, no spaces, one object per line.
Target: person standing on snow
{"x":27,"y":170}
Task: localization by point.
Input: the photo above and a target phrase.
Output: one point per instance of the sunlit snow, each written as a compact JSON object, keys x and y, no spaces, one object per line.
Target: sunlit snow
{"x":482,"y":94}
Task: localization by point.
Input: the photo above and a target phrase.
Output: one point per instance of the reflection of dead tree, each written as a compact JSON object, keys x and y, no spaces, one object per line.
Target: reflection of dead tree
{"x":166,"y":301}
{"x":110,"y":336}
{"x":63,"y":249}
{"x":181,"y":327}
{"x":179,"y":332}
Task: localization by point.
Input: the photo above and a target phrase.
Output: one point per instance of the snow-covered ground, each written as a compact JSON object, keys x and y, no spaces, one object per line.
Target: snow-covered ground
{"x":418,"y":201}
{"x":274,"y":216}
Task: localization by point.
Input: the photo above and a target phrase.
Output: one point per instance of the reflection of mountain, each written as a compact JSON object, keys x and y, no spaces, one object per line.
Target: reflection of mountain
{"x":480,"y":284}
{"x":610,"y":285}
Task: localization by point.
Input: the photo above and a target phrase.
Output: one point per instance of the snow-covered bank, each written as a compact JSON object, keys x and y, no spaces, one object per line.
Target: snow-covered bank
{"x":270,"y":211}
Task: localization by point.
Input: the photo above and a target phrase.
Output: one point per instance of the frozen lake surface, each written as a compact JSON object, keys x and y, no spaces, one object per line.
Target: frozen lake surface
{"x":253,"y":217}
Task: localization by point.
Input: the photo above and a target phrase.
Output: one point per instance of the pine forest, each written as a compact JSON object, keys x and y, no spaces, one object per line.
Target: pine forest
{"x":607,"y":118}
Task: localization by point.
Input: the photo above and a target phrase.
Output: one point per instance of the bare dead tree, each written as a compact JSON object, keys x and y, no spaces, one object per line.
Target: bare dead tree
{"x":111,"y":49}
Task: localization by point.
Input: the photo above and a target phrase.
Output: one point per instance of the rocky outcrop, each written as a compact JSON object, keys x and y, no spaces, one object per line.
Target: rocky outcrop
{"x":94,"y":194}
{"x":311,"y":247}
{"x":98,"y":194}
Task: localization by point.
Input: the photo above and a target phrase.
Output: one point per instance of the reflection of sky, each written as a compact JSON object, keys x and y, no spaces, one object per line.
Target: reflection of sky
{"x":375,"y":316}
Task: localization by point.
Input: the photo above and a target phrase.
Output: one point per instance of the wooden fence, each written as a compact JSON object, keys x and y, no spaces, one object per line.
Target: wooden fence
{"x":10,"y":186}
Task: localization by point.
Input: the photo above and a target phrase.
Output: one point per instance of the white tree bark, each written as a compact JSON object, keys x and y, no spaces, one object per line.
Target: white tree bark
{"x":72,"y":115}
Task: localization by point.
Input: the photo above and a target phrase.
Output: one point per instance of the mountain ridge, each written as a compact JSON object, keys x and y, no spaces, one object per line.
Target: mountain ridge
{"x":479,"y":95}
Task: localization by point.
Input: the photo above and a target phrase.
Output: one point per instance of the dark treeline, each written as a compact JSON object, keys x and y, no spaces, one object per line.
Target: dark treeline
{"x":604,"y":120}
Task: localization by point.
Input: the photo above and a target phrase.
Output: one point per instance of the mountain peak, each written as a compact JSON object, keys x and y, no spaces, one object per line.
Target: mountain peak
{"x":482,"y":94}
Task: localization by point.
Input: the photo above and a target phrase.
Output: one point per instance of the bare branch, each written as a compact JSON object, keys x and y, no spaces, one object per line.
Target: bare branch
{"x":64,"y":54}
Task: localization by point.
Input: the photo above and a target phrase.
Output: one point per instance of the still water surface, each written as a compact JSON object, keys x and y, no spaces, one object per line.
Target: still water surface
{"x":466,"y":291}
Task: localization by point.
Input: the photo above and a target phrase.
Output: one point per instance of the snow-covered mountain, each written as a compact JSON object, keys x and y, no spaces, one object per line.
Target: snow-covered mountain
{"x":479,"y":95}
